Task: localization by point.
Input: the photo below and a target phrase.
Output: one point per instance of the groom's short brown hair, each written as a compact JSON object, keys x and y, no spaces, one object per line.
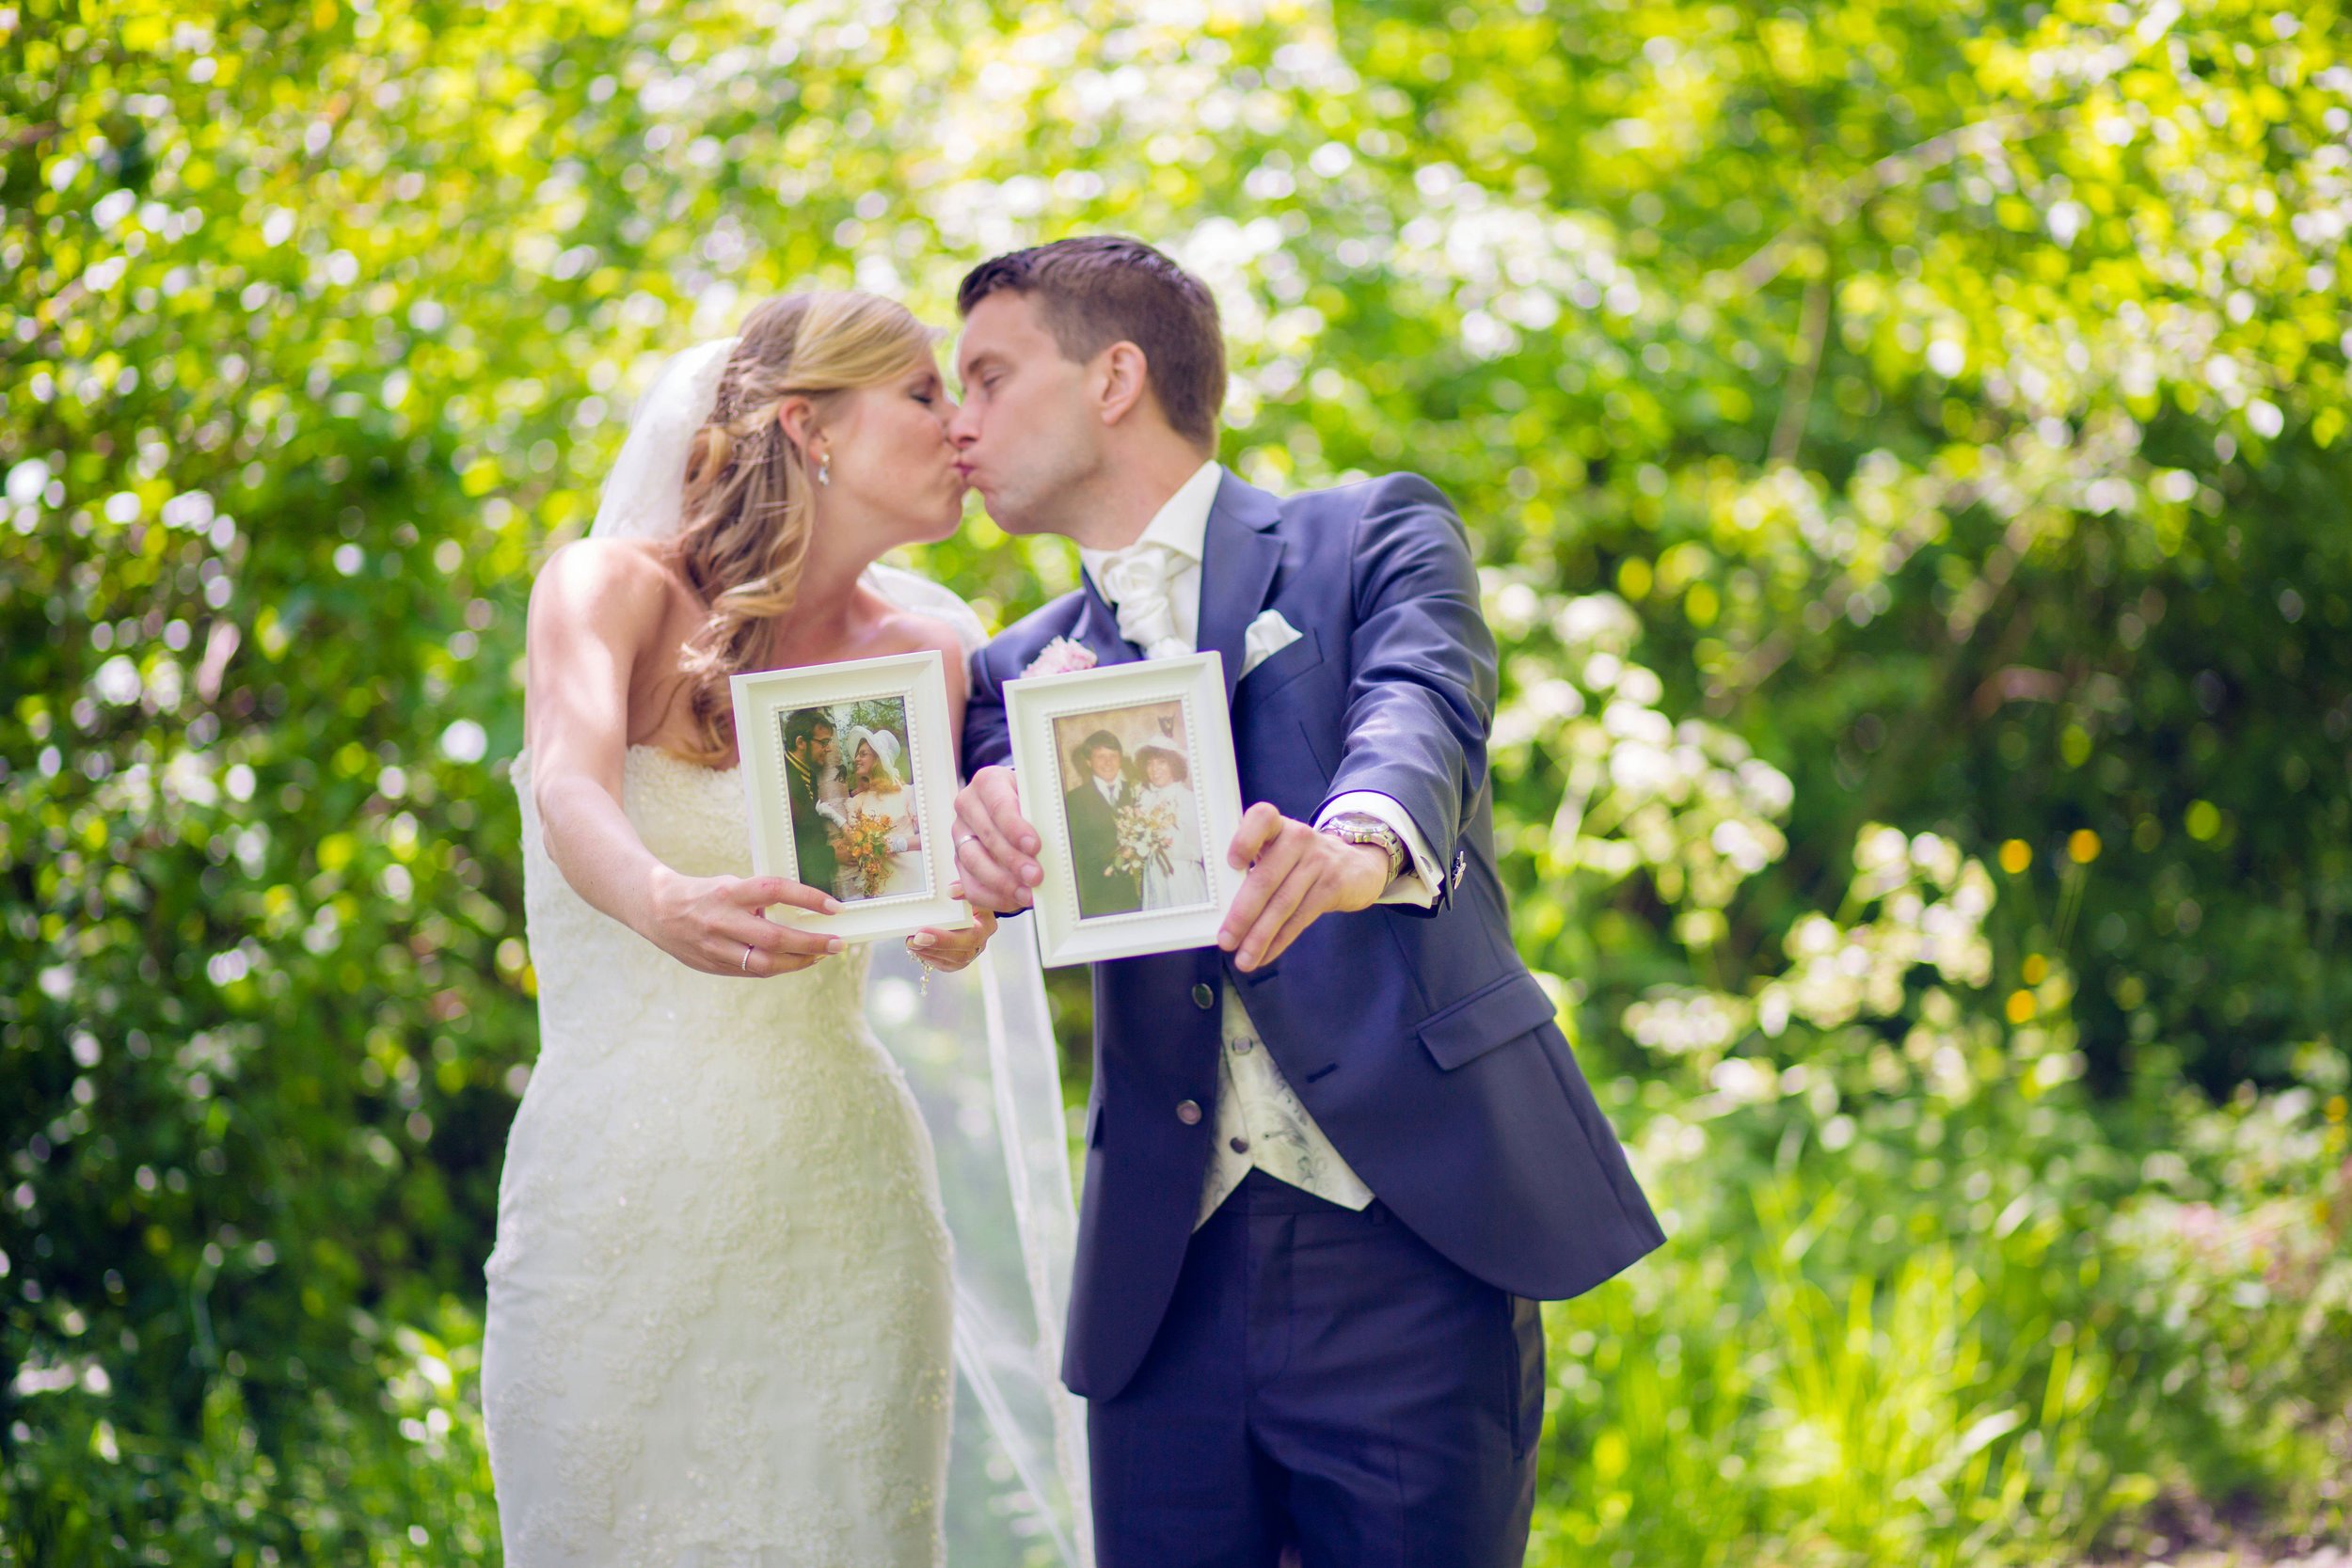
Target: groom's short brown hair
{"x":1102,"y":289}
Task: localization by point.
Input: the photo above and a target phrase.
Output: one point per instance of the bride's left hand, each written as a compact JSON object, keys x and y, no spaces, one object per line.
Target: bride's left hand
{"x":953,"y":950}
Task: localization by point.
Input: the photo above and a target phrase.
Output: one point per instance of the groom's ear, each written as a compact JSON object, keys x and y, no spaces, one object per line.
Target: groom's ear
{"x":1123,"y":381}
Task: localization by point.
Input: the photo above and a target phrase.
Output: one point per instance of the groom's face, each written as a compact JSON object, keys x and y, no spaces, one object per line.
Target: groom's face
{"x":1027,"y":433}
{"x":1104,"y":761}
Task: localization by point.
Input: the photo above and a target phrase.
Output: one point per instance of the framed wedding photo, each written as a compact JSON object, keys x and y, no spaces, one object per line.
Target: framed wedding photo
{"x":1127,"y":775}
{"x":849,"y":781}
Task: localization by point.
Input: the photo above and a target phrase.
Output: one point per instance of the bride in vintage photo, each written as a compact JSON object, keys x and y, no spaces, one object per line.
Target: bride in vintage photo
{"x":881,"y":832}
{"x":1174,"y":878}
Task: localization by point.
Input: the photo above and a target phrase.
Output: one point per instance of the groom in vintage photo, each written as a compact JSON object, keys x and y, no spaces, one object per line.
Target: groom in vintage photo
{"x":1334,"y":1163}
{"x":1091,"y":807}
{"x":810,"y":784}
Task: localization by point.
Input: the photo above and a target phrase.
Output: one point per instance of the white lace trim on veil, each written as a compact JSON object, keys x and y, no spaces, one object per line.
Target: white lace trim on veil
{"x":977,"y":1051}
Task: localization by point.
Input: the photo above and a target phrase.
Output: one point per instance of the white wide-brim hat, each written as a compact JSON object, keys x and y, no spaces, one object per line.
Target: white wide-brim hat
{"x":885,"y":746}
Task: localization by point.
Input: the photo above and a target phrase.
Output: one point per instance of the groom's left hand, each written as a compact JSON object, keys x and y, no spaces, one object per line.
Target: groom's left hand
{"x":1295,"y":876}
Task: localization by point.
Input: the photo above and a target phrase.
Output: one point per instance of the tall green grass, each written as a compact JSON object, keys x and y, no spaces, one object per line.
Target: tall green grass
{"x":1839,"y":1359}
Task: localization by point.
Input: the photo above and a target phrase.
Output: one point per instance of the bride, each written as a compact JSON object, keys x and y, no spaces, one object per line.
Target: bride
{"x":876,"y":790}
{"x":720,"y":1305}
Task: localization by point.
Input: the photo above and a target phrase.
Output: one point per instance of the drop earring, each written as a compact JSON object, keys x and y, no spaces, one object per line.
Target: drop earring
{"x":825,"y":469}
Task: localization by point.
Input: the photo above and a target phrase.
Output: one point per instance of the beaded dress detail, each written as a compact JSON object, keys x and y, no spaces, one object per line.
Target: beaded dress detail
{"x":719,"y":1330}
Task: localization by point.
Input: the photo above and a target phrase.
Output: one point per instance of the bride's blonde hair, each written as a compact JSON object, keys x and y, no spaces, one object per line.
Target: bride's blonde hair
{"x":744,"y":529}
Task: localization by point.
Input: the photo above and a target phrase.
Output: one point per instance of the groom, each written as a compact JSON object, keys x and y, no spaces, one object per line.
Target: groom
{"x":1333,"y":1162}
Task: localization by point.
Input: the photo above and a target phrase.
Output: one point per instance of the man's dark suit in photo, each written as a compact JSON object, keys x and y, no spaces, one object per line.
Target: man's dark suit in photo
{"x":812,"y":837}
{"x":1093,"y":817}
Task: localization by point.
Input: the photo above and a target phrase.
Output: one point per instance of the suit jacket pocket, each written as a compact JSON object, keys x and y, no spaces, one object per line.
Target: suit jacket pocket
{"x":1512,"y":1007}
{"x":1282,"y":668}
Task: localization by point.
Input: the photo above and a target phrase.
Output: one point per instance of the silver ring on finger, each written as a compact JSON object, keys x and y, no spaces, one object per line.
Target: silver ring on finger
{"x":747,"y":958}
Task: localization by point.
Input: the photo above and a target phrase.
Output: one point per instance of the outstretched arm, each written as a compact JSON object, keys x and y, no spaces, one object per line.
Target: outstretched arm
{"x":595,"y":612}
{"x":1422,"y":687}
{"x":1420,"y":699}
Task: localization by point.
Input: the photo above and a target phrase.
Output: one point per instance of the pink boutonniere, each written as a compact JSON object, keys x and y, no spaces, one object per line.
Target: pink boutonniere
{"x":1059,"y":657}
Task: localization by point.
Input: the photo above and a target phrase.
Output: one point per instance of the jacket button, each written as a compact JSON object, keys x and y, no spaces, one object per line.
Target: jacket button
{"x":1202,"y":997}
{"x":1188,"y":1112}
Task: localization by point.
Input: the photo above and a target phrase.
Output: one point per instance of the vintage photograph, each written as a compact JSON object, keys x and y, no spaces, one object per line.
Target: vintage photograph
{"x":1128,"y":807}
{"x":857,"y":831}
{"x":848,"y":777}
{"x":1128,"y":774}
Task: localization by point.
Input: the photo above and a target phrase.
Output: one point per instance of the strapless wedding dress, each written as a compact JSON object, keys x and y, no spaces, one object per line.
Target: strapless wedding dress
{"x":719,"y":1329}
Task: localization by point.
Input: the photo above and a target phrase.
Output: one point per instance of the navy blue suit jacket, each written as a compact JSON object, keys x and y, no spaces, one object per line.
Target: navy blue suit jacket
{"x":1416,"y":1037}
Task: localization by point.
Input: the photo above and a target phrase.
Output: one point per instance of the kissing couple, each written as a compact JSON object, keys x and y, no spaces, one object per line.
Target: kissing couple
{"x":1332,"y":1163}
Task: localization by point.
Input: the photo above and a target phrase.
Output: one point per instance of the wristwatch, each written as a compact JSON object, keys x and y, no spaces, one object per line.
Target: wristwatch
{"x":1355,"y":827}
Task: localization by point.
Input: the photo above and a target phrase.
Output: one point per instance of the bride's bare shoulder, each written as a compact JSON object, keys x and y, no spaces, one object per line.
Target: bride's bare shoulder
{"x":631,"y":579}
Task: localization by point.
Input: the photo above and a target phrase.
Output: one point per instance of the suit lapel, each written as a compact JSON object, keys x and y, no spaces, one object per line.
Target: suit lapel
{"x":1238,"y":557}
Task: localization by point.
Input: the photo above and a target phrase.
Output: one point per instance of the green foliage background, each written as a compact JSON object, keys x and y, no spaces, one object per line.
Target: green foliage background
{"x":1908,"y":450}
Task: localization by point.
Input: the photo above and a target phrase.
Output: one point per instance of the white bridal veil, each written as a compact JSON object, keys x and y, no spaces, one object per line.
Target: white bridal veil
{"x":977,"y":1051}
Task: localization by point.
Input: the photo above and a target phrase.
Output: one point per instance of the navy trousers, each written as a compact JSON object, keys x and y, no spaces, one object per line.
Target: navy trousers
{"x":1323,"y":1380}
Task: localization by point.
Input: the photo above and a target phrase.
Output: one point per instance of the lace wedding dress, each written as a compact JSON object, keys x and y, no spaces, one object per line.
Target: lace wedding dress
{"x":720,"y":1307}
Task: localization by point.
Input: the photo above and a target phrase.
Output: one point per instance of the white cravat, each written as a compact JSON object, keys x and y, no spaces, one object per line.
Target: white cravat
{"x":1139,"y":582}
{"x":1153,"y":585}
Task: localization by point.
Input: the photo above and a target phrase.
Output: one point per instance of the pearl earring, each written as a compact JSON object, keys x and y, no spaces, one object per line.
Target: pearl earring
{"x":825,"y":469}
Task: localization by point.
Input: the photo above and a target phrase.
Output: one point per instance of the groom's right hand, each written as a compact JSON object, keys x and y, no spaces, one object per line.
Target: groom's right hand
{"x":995,"y":849}
{"x":718,"y":925}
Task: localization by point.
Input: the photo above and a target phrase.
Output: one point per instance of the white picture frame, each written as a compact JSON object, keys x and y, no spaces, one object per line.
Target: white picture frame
{"x":1172,"y":706}
{"x":794,"y":801}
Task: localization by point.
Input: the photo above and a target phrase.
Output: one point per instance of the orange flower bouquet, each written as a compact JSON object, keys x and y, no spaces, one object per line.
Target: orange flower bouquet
{"x":864,"y":851}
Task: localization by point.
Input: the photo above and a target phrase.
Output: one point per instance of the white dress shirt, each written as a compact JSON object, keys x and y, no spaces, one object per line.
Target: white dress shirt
{"x":1260,"y":1119}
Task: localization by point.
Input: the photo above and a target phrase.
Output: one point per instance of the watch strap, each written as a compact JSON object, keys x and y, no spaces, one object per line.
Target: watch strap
{"x":1361,"y":828}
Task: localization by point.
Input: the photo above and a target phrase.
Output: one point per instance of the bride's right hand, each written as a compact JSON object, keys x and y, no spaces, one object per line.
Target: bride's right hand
{"x":716,"y":923}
